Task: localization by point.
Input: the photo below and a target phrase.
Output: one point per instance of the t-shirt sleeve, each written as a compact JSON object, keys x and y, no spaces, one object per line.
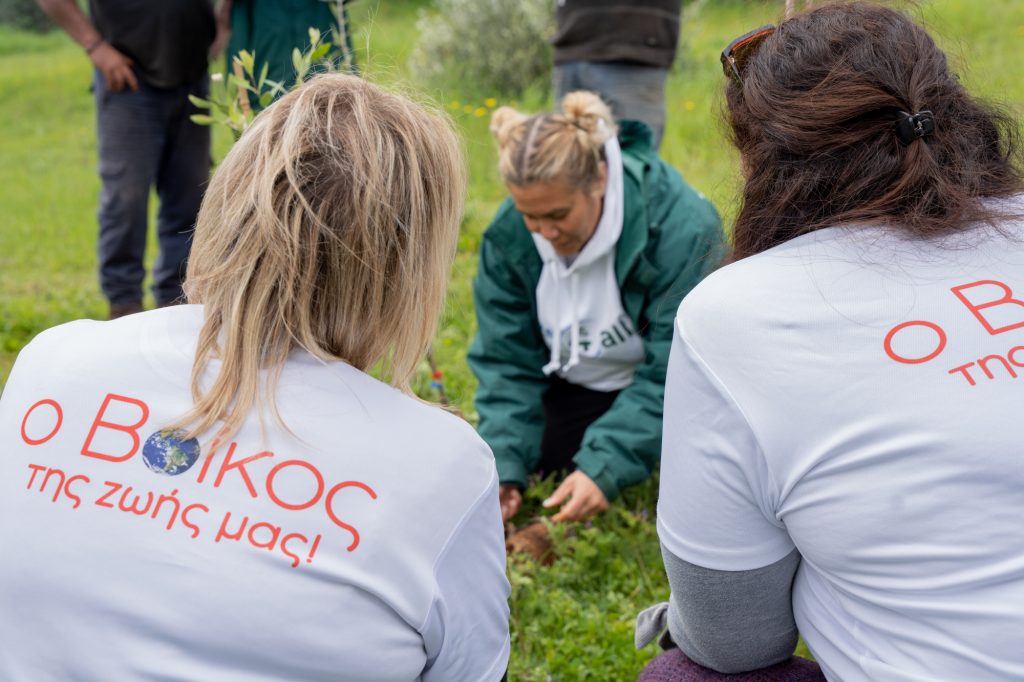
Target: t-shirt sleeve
{"x":466,"y":632}
{"x":717,"y":503}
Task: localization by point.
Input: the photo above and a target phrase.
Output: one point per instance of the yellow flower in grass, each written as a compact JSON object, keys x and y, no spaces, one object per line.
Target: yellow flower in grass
{"x":690,"y":105}
{"x":491,"y":102}
{"x":453,"y":105}
{"x":480,"y":111}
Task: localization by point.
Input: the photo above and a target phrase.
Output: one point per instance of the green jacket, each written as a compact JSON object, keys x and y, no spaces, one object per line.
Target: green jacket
{"x":671,"y":238}
{"x":271,"y":29}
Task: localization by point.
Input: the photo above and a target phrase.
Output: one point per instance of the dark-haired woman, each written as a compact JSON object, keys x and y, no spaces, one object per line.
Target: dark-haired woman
{"x":842,"y":450}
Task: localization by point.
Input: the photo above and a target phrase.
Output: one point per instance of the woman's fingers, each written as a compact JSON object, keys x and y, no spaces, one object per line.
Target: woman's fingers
{"x":573,"y":511}
{"x":561,"y":493}
{"x":515,"y":500}
{"x":580,"y":508}
{"x":510,"y":499}
{"x":586,"y":498}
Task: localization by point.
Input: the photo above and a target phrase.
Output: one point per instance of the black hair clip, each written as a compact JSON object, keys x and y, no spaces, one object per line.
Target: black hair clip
{"x":910,"y":127}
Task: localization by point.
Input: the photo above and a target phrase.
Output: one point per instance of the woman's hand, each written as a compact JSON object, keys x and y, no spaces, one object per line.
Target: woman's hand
{"x":585,"y":499}
{"x":511,"y":499}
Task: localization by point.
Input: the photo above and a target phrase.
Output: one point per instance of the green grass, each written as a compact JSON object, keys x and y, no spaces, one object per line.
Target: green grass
{"x":572,"y":620}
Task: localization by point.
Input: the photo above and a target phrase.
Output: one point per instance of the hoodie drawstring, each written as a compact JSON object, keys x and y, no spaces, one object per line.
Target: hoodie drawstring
{"x":555,"y":358}
{"x":574,"y":333}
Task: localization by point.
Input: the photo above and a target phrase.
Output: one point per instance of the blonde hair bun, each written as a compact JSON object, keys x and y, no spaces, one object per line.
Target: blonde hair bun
{"x":588,"y":111}
{"x":504,"y":124}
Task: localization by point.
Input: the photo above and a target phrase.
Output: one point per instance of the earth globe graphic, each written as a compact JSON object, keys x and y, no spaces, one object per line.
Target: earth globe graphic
{"x":166,"y":452}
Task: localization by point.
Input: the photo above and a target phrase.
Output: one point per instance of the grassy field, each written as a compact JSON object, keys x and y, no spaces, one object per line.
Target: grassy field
{"x":572,"y":620}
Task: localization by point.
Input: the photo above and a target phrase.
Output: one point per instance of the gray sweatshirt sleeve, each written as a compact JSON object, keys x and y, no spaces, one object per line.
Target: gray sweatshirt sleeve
{"x":729,"y":621}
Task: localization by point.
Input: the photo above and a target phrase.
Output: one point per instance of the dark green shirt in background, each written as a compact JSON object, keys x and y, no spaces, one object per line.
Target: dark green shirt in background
{"x":272,"y":29}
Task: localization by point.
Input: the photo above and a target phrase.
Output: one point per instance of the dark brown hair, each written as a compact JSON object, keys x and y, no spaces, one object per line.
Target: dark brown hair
{"x":814,"y":122}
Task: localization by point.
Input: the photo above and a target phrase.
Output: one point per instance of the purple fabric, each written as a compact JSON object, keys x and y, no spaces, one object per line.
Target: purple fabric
{"x":674,"y":666}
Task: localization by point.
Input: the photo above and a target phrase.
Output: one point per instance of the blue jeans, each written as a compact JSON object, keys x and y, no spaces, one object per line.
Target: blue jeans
{"x":634,"y":91}
{"x":145,"y":138}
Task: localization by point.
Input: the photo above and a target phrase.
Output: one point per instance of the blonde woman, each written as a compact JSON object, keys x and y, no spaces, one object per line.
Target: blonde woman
{"x":282,"y":515}
{"x":580,"y":274}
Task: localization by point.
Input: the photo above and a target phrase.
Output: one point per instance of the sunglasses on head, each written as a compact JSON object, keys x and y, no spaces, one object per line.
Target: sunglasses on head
{"x":735,"y":56}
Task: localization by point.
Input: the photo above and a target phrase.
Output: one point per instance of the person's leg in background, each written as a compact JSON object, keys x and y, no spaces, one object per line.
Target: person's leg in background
{"x":181,"y":179}
{"x":568,"y":77}
{"x":129,"y":133}
{"x":633,"y":91}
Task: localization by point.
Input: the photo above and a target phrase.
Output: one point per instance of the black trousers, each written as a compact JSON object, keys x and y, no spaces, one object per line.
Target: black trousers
{"x":568,"y":411}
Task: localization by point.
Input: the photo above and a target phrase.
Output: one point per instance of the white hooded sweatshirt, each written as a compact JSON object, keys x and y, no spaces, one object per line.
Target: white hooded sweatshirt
{"x":593,"y":341}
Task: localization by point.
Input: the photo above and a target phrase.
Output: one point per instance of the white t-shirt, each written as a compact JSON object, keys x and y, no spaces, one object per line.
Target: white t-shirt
{"x":366,"y":545}
{"x":857,"y":395}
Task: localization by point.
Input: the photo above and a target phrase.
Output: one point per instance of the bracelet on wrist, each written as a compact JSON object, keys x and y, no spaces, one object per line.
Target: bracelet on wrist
{"x":92,"y":48}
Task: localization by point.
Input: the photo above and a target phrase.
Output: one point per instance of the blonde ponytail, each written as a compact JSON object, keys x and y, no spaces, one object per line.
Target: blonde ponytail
{"x":330,"y":226}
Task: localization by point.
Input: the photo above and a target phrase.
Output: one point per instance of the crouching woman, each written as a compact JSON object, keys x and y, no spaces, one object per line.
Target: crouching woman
{"x":580,"y":275}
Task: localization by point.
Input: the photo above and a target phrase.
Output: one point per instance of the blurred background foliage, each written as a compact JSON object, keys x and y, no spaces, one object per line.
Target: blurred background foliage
{"x":487,"y":48}
{"x":25,"y":15}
